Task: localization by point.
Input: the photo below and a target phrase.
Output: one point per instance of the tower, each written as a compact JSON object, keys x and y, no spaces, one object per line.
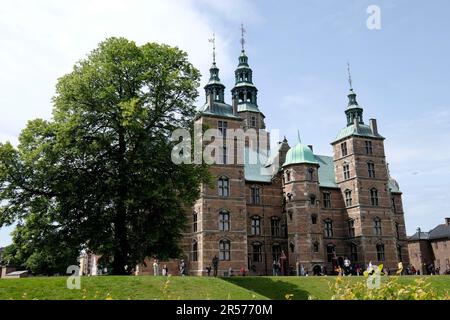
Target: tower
{"x":218,"y":221}
{"x":245,"y":93}
{"x":362,"y":176}
{"x":301,"y":190}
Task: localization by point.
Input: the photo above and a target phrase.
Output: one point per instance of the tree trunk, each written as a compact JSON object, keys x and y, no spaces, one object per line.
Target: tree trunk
{"x":120,"y":221}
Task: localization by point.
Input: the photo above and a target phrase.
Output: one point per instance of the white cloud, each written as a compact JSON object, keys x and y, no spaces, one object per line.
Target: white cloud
{"x":43,"y":39}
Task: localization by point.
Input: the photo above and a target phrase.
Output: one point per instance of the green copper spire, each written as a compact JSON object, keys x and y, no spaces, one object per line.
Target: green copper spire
{"x":214,"y":87}
{"x":354,"y":111}
{"x":244,"y":90}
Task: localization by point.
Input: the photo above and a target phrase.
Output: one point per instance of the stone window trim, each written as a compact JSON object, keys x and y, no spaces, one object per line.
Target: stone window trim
{"x":380,"y":251}
{"x":224,"y":186}
{"x":354,"y":251}
{"x":224,"y":249}
{"x":255,"y":225}
{"x":255,"y":194}
{"x":328,"y":228}
{"x":326,"y":195}
{"x":374,"y":200}
{"x":316,"y":246}
{"x":346,"y":170}
{"x":377,"y":228}
{"x":351,"y":227}
{"x":224,"y":220}
{"x":348,"y":198}
{"x":331,"y":251}
{"x":275,"y":226}
{"x":256,"y":251}
{"x":371,"y":169}
{"x":194,"y":221}
{"x":194,"y":250}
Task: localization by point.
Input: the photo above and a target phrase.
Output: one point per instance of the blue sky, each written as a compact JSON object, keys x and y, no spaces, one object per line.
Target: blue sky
{"x":298,"y":51}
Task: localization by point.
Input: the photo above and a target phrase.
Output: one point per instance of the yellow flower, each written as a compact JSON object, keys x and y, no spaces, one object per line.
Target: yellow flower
{"x":288,"y":296}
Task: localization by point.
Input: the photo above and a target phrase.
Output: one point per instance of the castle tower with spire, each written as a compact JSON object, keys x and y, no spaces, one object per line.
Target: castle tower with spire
{"x":291,"y":211}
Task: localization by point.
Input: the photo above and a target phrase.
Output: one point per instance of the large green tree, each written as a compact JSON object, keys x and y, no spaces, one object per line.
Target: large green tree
{"x":99,"y":173}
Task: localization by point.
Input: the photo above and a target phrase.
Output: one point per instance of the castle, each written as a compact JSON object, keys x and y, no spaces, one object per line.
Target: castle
{"x":313,"y":212}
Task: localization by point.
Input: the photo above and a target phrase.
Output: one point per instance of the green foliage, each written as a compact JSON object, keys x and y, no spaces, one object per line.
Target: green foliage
{"x":389,"y":289}
{"x":99,"y":174}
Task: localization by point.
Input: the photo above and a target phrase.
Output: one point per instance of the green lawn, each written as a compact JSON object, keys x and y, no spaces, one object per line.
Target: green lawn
{"x":148,"y":287}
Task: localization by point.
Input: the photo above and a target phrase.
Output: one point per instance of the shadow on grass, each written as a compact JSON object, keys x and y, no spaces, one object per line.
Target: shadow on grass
{"x":269,"y":287}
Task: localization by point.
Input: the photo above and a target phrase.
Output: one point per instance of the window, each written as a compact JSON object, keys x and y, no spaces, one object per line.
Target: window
{"x":328,"y":228}
{"x":194,"y":222}
{"x":314,"y":219}
{"x":369,"y":149}
{"x":351,"y":228}
{"x":348,"y":198}
{"x":377,"y":226}
{"x":249,"y":97}
{"x":275,"y":227}
{"x":371,"y":169}
{"x":397,"y":230}
{"x":316,"y":247}
{"x":288,"y":176}
{"x":292,"y":247}
{"x":399,"y":253}
{"x":393,"y":204}
{"x":344,"y":149}
{"x":331,"y":252}
{"x":253,"y":122}
{"x":224,"y":220}
{"x":312,"y":200}
{"x":224,"y":155}
{"x":346,"y":169}
{"x":374,"y":197}
{"x":257,"y":256}
{"x":327,"y":200}
{"x":255,"y":193}
{"x":224,"y":250}
{"x":276,"y":252}
{"x":311,"y":174}
{"x":223,"y":126}
{"x":194,"y":250}
{"x":353,"y":252}
{"x":380,"y":252}
{"x":224,"y":187}
{"x":256,"y":226}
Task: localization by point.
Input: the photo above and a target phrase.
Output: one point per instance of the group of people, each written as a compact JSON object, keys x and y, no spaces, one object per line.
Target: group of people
{"x":165,"y":269}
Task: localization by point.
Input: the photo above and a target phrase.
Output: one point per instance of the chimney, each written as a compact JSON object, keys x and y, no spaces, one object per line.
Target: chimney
{"x":311,"y":147}
{"x":234,"y":103}
{"x":447,"y":221}
{"x":374,"y":126}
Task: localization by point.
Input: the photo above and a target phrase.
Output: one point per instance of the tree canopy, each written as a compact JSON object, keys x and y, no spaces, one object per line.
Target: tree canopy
{"x":99,"y":174}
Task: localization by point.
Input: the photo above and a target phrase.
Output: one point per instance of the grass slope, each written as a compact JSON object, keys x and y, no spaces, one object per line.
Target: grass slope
{"x":148,"y":287}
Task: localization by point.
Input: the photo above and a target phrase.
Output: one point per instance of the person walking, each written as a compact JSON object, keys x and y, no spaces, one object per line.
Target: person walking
{"x":165,"y":270}
{"x":215,"y":263}
{"x":155,"y":267}
{"x":347,"y":264}
{"x":183,"y":268}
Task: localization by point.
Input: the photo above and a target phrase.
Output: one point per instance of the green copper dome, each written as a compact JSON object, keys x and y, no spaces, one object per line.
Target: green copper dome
{"x":300,"y":153}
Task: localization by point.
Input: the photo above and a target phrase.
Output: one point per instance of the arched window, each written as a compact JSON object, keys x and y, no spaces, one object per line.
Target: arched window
{"x":224,"y":187}
{"x":249,"y":97}
{"x":331,"y":252}
{"x":380,"y":252}
{"x":288,"y":176}
{"x":257,"y":253}
{"x":194,"y":222}
{"x":353,"y":252}
{"x":241,"y":96}
{"x":194,"y":250}
{"x":224,"y":250}
{"x":275,"y":229}
{"x":316,"y":247}
{"x":256,"y":226}
{"x":377,"y":226}
{"x":374,"y":197}
{"x":328,"y":228}
{"x":224,"y":220}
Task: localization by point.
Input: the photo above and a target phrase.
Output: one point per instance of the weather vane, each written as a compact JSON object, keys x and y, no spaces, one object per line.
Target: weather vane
{"x":349,"y":76}
{"x":213,"y":40}
{"x":242,"y":36}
